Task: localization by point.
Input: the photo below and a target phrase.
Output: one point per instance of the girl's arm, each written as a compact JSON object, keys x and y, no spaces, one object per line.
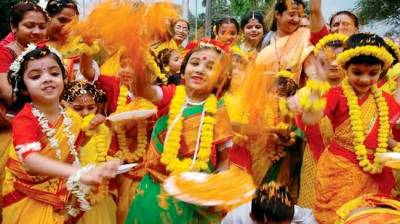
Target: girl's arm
{"x":222,"y":155}
{"x":86,"y":67}
{"x":143,"y":88}
{"x":41,"y":165}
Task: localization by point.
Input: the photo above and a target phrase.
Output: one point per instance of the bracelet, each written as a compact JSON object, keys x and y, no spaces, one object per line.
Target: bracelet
{"x":397,"y":148}
{"x":79,"y":190}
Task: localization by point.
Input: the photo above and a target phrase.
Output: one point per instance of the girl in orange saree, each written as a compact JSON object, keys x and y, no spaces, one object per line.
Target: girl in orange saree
{"x":362,"y":118}
{"x":39,"y":175}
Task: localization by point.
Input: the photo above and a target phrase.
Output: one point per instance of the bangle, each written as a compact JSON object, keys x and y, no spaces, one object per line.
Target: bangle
{"x":79,"y":190}
{"x":397,"y":148}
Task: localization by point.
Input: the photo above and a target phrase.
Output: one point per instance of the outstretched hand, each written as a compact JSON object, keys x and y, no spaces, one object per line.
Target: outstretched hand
{"x":102,"y":172}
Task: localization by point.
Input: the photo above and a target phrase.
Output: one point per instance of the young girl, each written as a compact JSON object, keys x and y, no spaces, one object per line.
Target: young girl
{"x":169,"y":62}
{"x":227,"y":31}
{"x":184,"y":111}
{"x":87,"y":100}
{"x":362,"y":118}
{"x":253,"y":29}
{"x":131,"y":137}
{"x":39,"y":174}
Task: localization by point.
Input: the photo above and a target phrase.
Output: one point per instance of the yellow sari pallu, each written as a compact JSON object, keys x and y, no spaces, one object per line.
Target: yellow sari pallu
{"x":37,"y":199}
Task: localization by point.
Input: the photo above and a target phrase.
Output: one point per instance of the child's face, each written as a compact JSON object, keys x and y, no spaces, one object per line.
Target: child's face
{"x":43,"y":80}
{"x":126,"y":75}
{"x":199,"y":70}
{"x":84,"y":105}
{"x":328,"y":61}
{"x":175,"y":62}
{"x":363,"y":76}
{"x":253,"y":30}
{"x":227,"y":33}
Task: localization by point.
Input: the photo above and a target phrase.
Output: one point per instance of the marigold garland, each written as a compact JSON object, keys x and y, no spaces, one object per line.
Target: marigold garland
{"x":156,"y":69}
{"x":285,"y":74}
{"x":394,"y":47}
{"x":172,"y":141}
{"x":313,"y":86}
{"x":358,"y":129}
{"x":123,"y":144}
{"x":327,"y":39}
{"x":99,"y":137}
{"x":379,"y":52}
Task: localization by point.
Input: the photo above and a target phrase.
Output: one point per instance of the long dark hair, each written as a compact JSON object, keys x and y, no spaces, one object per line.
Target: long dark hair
{"x":16,"y":80}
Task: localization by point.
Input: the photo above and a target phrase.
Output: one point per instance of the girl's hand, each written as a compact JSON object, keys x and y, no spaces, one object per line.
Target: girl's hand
{"x":104,"y":171}
{"x":96,"y":121}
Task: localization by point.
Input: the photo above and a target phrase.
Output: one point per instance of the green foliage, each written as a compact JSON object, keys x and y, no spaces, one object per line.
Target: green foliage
{"x":241,"y":7}
{"x":5,"y":9}
{"x":378,"y":10}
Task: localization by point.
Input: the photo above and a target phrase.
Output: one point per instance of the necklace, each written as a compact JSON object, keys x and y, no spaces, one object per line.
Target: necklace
{"x":279,"y":56}
{"x":358,"y":129}
{"x":50,"y":133}
{"x":204,"y":139}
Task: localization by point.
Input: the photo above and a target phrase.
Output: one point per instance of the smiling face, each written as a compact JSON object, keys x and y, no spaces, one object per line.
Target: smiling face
{"x":43,"y":80}
{"x":289,"y":20}
{"x":363,"y":76}
{"x":56,"y":30}
{"x":198,"y":71}
{"x":343,"y":24}
{"x":31,"y":29}
{"x":227,"y":33}
{"x":181,"y":31}
{"x":253,"y":30}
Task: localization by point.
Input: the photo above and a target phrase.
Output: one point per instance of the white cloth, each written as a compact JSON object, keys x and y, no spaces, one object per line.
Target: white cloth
{"x":241,"y":215}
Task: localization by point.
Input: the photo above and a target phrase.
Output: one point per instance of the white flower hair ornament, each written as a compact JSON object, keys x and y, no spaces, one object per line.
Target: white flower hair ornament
{"x":16,"y":65}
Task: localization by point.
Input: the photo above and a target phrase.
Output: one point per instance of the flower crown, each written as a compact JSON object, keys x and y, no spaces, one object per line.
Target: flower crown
{"x":327,"y":39}
{"x":370,"y":50}
{"x":206,"y":42}
{"x":285,"y":74}
{"x":16,"y":65}
{"x":394,"y":47}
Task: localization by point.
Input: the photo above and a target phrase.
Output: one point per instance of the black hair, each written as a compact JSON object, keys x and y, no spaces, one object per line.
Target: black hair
{"x":273,"y":203}
{"x":226,"y":20}
{"x":281,"y":7}
{"x":78,"y":88}
{"x":350,"y":14}
{"x":335,"y":44}
{"x":252,"y":15}
{"x":162,"y":58}
{"x":19,"y":10}
{"x":364,"y":39}
{"x":56,"y":6}
{"x":16,"y":80}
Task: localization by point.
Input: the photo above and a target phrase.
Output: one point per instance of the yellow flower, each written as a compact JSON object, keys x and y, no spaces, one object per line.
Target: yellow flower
{"x":169,"y":157}
{"x":358,"y":130}
{"x":375,"y":51}
{"x":327,"y":39}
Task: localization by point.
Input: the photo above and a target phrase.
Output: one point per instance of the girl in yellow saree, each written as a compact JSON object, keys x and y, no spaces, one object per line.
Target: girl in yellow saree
{"x":39,"y":177}
{"x":363,"y":120}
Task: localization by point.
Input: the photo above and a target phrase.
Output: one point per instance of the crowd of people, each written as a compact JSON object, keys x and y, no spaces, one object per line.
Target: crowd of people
{"x":307,"y":109}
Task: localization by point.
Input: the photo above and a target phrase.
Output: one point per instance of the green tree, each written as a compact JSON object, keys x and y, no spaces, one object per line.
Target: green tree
{"x":379,"y":10}
{"x":241,"y":7}
{"x":5,"y":9}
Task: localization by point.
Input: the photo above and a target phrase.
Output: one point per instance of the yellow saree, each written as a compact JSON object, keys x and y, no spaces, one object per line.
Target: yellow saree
{"x":31,"y":198}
